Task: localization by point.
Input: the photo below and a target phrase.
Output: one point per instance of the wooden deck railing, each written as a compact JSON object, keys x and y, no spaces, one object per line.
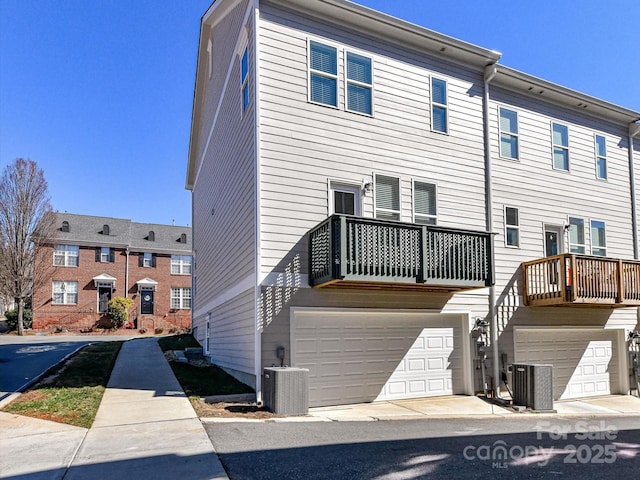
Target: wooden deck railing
{"x":570,"y":279}
{"x":363,"y":250}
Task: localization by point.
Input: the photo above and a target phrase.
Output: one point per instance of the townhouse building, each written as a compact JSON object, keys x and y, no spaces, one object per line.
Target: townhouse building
{"x":378,"y":202}
{"x":94,"y":259}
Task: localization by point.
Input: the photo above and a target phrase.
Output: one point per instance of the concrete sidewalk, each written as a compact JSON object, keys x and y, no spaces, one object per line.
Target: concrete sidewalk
{"x":145,"y":429}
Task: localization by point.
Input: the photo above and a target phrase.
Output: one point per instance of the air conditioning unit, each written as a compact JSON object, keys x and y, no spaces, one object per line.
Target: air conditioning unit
{"x":285,"y":390}
{"x":533,"y":386}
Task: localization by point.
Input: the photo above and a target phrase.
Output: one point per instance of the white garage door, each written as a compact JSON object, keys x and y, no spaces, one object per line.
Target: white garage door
{"x":358,"y":356}
{"x":585,"y":362}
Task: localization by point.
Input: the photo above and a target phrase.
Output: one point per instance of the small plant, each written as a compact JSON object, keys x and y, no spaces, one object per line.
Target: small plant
{"x":142,"y":331}
{"x":119,"y":310}
{"x":158,"y":331}
{"x":12,"y":318}
{"x":130,"y":325}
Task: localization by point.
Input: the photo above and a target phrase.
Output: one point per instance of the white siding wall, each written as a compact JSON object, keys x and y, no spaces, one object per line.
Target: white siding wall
{"x":304,"y":146}
{"x":547,"y":196}
{"x":224,"y":200}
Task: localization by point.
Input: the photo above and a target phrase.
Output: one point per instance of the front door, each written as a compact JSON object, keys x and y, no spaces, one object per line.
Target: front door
{"x":104,"y":295}
{"x":146,"y":306}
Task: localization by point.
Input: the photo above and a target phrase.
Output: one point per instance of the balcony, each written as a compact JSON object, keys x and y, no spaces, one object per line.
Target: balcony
{"x":580,"y":280}
{"x":367,"y":253}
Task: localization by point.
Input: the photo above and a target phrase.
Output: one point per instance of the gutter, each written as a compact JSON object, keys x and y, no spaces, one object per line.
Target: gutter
{"x":490,"y":72}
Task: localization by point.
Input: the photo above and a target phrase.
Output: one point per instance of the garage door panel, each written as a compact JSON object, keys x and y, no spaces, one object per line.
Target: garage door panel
{"x":378,"y":357}
{"x":585,"y":363}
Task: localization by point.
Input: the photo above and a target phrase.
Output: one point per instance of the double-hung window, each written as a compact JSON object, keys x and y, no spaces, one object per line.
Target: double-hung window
{"x":147,"y":259}
{"x":180,"y":297}
{"x":65,"y":255}
{"x":65,"y":293}
{"x":181,"y":264}
{"x":601,"y":157}
{"x":508,"y":133}
{"x":424,"y":203}
{"x":512,"y":226}
{"x":576,"y":235}
{"x":560,"y":135}
{"x":598,"y":238}
{"x":359,"y":84}
{"x":244,"y":79}
{"x":439,"y":113}
{"x":387,"y":197}
{"x":323,"y":74}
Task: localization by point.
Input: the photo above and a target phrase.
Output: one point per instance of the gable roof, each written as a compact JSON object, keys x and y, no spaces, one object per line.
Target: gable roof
{"x":87,"y":230}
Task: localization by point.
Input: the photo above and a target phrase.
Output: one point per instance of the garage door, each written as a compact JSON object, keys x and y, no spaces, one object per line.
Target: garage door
{"x":585,"y":362}
{"x":356,"y":357}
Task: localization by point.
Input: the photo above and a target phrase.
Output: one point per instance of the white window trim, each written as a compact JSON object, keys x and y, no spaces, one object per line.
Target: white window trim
{"x":597,"y":157}
{"x":323,"y":74}
{"x":349,"y":187}
{"x":567,"y":148}
{"x":64,"y":293}
{"x":441,"y":105}
{"x":413,"y":203}
{"x":181,"y":261}
{"x":355,"y":82}
{"x":513,"y":227}
{"x":516,"y":135}
{"x":584,"y":245}
{"x":605,"y":248}
{"x":65,"y":255}
{"x":375,"y":194}
{"x":181,"y":297}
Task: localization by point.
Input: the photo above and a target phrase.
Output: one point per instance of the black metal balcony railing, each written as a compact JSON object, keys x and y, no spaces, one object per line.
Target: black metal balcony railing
{"x":355,"y":250}
{"x":581,"y":280}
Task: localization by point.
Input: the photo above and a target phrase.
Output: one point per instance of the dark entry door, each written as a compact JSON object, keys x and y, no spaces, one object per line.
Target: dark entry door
{"x":146,"y":306}
{"x":104,"y":295}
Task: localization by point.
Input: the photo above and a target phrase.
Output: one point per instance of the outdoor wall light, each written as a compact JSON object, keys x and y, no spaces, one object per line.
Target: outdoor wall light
{"x":367,"y":186}
{"x":634,"y":336}
{"x":280,"y":354}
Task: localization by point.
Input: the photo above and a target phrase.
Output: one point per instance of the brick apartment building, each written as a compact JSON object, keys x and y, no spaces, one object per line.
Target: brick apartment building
{"x":97,"y":258}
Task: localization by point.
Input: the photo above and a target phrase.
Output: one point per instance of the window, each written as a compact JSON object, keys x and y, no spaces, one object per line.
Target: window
{"x":106,"y":230}
{"x":344,"y":199}
{"x":512,"y":226}
{"x":323,"y":74}
{"x":244,"y":80}
{"x":439,"y":105}
{"x":508,"y":134}
{"x":598,"y":239}
{"x":152,"y":236}
{"x":601,"y":157}
{"x":387,"y":198}
{"x":65,"y":293}
{"x":359,"y":84}
{"x":104,"y":254}
{"x":180,"y":297}
{"x":146,"y":259}
{"x":576,"y":235}
{"x":66,"y":255}
{"x":65,"y":227}
{"x":560,"y":147}
{"x":181,"y":264}
{"x":424,"y":203}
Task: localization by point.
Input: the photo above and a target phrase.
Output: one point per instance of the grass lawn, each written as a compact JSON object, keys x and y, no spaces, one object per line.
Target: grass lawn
{"x":72,"y":393}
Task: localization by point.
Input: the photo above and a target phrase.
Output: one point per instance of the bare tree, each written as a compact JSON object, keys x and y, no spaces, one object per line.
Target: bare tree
{"x":26,"y":224}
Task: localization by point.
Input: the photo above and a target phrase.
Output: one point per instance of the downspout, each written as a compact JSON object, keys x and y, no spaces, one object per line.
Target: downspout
{"x":489,"y":74}
{"x":126,"y":274}
{"x":257,"y":234}
{"x":634,"y":129}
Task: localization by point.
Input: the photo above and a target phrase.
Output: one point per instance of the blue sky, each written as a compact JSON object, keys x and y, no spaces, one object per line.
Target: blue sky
{"x":99,"y":92}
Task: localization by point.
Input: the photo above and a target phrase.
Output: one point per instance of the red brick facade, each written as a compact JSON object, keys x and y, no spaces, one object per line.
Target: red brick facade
{"x":84,"y":315}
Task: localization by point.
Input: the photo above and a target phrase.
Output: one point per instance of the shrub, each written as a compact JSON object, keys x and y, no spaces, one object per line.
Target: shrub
{"x":119,"y":310}
{"x":12,"y":318}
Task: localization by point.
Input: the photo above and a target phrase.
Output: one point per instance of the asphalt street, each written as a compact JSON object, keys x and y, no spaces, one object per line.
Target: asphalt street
{"x":24,"y":359}
{"x":527,"y":446}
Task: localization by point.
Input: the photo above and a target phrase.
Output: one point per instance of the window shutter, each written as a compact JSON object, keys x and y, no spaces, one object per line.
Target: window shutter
{"x":112,"y":255}
{"x":153,"y":260}
{"x":425,"y":198}
{"x":387,"y":193}
{"x":141,"y":259}
{"x":98,"y":250}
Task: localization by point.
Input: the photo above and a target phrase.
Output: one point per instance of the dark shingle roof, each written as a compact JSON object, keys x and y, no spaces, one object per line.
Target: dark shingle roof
{"x":87,"y":230}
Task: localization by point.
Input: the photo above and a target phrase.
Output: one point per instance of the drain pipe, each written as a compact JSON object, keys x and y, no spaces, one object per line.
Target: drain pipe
{"x":489,"y":74}
{"x":634,"y":130}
